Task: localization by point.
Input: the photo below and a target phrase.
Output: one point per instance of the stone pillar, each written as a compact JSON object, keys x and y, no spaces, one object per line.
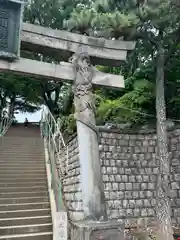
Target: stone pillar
{"x":91,"y":176}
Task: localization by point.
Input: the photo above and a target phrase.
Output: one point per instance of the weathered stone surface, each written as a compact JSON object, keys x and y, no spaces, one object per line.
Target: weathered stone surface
{"x":61,"y":72}
{"x":89,"y":230}
{"x":62,"y":44}
{"x":130,"y":177}
{"x":10,"y":22}
{"x":72,"y":182}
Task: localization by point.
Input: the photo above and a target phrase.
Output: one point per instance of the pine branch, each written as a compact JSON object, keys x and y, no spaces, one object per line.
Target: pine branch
{"x":146,"y":36}
{"x":173,"y":46}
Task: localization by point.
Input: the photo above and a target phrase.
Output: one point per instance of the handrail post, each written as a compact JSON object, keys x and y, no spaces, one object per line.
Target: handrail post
{"x":5,"y":123}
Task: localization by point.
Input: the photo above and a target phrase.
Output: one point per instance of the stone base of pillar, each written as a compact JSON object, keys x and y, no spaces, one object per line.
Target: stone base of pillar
{"x":93,"y":230}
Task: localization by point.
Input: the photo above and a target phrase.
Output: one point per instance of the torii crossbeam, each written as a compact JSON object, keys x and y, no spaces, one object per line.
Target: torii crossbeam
{"x":61,"y":72}
{"x":62,"y":44}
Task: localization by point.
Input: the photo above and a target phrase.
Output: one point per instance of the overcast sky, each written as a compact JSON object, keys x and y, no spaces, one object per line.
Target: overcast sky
{"x":35,"y":117}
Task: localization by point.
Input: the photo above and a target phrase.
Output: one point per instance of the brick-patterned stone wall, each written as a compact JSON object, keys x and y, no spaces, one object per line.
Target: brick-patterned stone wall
{"x":174,"y":148}
{"x":71,"y":181}
{"x":129,"y":169}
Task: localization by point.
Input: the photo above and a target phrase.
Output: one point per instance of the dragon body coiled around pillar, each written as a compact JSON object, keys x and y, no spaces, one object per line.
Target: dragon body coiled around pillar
{"x":82,"y":89}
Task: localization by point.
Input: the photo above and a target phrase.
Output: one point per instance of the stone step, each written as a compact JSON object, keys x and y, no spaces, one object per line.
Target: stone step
{"x":30,"y":236}
{"x":25,"y":221}
{"x":23,"y":194}
{"x":24,"y":206}
{"x":24,"y":200}
{"x":23,"y":184}
{"x":25,"y":162}
{"x":21,"y":153}
{"x":21,"y":142}
{"x":32,"y":141}
{"x":17,"y":200}
{"x":9,"y":167}
{"x":14,"y":167}
{"x":22,"y":150}
{"x":25,"y":213}
{"x":20,"y":156}
{"x":14,"y":142}
{"x":22,"y":146}
{"x":24,"y":189}
{"x":25,"y":158}
{"x":19,"y":179}
{"x":21,"y":163}
{"x":25,"y":146}
{"x":24,"y":229}
{"x":31,"y":149}
{"x":23,"y":175}
{"x":20,"y":170}
{"x":23,"y":178}
{"x":22,"y":159}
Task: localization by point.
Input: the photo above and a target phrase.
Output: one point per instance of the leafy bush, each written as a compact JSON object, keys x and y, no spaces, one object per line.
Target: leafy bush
{"x":128,"y":108}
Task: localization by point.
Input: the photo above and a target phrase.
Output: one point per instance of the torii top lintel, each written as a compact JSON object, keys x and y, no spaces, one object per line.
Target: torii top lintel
{"x":62,"y":44}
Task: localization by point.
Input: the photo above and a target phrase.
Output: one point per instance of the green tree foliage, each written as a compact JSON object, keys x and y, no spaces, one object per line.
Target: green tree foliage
{"x":132,"y":20}
{"x":51,"y":13}
{"x":129,"y":107}
{"x":18,"y":93}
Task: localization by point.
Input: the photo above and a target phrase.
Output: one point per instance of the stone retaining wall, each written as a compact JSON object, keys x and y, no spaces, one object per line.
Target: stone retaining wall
{"x":72,"y":182}
{"x":129,"y":168}
{"x":174,"y":147}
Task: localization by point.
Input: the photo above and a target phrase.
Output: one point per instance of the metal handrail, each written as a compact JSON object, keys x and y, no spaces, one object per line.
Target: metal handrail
{"x":55,"y":144}
{"x":5,"y":124}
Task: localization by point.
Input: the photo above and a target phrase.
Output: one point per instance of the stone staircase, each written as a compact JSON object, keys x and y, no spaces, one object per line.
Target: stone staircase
{"x":24,"y":201}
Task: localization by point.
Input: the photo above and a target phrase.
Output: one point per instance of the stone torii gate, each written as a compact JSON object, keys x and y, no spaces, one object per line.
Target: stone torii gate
{"x":83,"y":52}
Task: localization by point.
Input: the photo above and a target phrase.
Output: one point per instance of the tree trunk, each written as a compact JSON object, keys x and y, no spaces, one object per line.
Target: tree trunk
{"x":163,"y":209}
{"x":11,"y":106}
